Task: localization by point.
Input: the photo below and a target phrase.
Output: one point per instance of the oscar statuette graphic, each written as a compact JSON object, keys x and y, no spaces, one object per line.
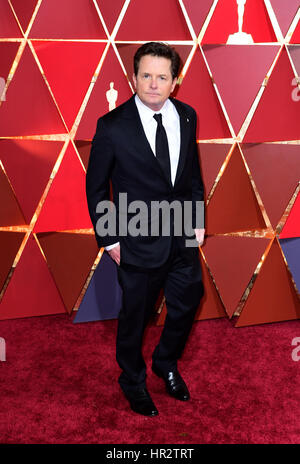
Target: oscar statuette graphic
{"x":240,"y":37}
{"x":111,"y":96}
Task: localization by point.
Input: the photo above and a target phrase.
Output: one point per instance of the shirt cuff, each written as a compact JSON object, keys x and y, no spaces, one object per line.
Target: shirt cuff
{"x":110,"y":247}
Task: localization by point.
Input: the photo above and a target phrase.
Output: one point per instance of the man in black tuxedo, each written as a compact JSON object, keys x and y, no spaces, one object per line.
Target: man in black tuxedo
{"x":147,"y":148}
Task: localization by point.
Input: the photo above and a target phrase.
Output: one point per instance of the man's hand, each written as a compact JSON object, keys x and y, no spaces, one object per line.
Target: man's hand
{"x":200,"y":236}
{"x":114,"y":253}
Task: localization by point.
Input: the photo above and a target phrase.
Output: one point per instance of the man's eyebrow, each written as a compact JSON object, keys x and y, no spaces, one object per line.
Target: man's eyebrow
{"x":147,"y":72}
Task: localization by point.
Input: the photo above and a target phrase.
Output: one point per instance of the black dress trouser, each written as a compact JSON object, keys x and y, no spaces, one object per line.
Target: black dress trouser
{"x":181,"y":279}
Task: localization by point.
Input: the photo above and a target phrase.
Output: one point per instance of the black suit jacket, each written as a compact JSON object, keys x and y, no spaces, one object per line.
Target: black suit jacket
{"x":121,"y":153}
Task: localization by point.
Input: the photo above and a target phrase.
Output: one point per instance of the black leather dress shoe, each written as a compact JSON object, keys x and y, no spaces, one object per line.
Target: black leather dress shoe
{"x":140,"y":402}
{"x":175,"y":384}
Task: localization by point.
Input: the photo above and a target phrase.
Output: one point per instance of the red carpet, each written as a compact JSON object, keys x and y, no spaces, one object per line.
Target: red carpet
{"x":59,"y":385}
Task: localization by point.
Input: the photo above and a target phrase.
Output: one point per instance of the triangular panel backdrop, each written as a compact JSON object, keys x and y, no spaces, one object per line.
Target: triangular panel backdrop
{"x":240,"y":71}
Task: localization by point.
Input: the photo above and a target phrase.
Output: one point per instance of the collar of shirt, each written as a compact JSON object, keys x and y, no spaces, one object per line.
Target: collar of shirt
{"x":168,"y":111}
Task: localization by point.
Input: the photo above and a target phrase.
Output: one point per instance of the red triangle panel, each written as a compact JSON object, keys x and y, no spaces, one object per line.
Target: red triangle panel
{"x":285,"y":13}
{"x":65,"y":207}
{"x":76,"y":63}
{"x":28,"y":164}
{"x":239,"y":71}
{"x":232,"y":262}
{"x":84,"y":150}
{"x":31,"y":290}
{"x":197,"y":12}
{"x":273,"y":297}
{"x":70,"y":258}
{"x":211,"y":120}
{"x":277,"y":115}
{"x":110,"y":11}
{"x":64,"y":19}
{"x":211,"y":306}
{"x":24,"y":11}
{"x":8,"y":51}
{"x":211,"y":158}
{"x":10,"y":212}
{"x":275,"y":169}
{"x":233,"y":206}
{"x":29,"y":109}
{"x":9,"y":244}
{"x":295,"y":55}
{"x":162,"y":21}
{"x":8,"y":25}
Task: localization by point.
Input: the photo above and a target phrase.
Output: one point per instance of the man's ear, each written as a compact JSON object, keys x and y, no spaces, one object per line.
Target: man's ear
{"x":134,"y":79}
{"x":174,"y":83}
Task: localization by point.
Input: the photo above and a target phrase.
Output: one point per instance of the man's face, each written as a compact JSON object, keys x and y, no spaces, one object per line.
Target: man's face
{"x":154,"y":82}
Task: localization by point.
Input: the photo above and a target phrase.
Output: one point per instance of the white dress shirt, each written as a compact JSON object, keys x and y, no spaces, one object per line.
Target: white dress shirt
{"x":171,"y":123}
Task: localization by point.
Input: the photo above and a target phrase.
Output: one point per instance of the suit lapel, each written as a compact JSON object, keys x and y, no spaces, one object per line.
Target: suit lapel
{"x":184,"y":137}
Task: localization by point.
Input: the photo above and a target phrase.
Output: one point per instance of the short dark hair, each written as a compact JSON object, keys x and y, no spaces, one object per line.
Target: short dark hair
{"x":158,"y":49}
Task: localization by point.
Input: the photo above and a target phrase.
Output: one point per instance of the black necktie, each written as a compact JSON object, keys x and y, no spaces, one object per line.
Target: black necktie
{"x":162,"y":147}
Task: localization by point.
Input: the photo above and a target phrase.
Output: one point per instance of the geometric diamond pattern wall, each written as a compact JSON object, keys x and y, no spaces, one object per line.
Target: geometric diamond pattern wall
{"x":240,"y":71}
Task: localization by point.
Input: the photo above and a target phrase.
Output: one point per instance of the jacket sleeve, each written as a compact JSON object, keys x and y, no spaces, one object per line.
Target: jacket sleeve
{"x":197,"y":186}
{"x":98,"y":176}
